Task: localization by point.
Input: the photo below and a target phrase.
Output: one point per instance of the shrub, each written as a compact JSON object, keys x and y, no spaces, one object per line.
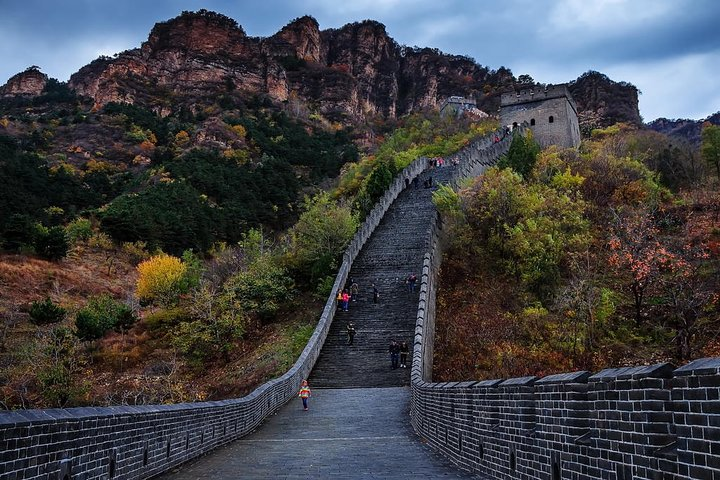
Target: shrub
{"x":165,"y":318}
{"x":79,"y":230}
{"x":51,"y":243}
{"x":100,"y":315}
{"x":262,"y":289}
{"x":161,"y":278}
{"x":45,"y":312}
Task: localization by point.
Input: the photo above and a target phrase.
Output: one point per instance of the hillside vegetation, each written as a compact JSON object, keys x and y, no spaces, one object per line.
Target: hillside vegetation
{"x":565,"y":260}
{"x":151,"y":259}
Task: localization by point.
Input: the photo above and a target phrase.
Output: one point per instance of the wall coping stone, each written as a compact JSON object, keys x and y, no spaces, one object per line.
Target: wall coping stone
{"x":519,"y":381}
{"x":660,"y":370}
{"x":572,"y":377}
{"x":488,"y":383}
{"x":701,"y":366}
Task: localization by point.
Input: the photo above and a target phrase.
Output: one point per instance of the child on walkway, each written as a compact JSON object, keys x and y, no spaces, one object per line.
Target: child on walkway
{"x":304,"y":393}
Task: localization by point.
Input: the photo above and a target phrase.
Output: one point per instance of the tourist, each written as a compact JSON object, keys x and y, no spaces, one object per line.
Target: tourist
{"x":304,"y":393}
{"x":376,"y":293}
{"x":411,"y":281}
{"x":394,"y":354}
{"x":403,"y":354}
{"x":354,"y":290}
{"x":345,"y":300}
{"x":350,"y":328}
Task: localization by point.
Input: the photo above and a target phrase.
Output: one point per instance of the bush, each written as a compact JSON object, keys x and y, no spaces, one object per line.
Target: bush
{"x":51,"y":243}
{"x":79,"y":230}
{"x":262,"y":289}
{"x":165,"y":318}
{"x":100,"y":315}
{"x":161,"y":278}
{"x":45,"y":312}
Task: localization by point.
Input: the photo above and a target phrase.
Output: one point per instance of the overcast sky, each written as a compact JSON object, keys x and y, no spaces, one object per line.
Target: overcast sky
{"x":669,"y":49}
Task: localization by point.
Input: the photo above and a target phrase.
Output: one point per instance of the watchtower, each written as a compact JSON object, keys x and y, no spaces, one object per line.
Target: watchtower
{"x":549,"y":110}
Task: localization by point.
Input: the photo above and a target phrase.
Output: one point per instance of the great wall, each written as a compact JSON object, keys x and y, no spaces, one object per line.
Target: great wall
{"x":655,"y":422}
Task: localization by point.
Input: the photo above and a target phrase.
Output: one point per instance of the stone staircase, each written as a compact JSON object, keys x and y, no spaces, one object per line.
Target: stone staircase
{"x":394,"y":251}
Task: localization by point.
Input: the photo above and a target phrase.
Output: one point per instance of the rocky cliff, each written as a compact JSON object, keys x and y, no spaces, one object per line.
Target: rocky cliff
{"x":602,"y":102}
{"x":348,"y":75}
{"x":31,"y":82}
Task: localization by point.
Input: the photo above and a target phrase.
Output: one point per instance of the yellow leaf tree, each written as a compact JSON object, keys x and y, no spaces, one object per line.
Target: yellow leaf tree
{"x":161,"y":278}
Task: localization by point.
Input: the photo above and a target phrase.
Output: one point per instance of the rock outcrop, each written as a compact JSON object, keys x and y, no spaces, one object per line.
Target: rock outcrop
{"x":349,"y":75}
{"x":602,"y":102}
{"x":29,"y":83}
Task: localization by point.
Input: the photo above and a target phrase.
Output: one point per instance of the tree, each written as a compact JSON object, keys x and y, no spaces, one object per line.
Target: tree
{"x":217,"y":320}
{"x":522,"y":154}
{"x":100,"y":315}
{"x":636,"y":250}
{"x":44,"y":312}
{"x":320,"y":236}
{"x":526,"y":79}
{"x":57,"y":365}
{"x":161,"y":278}
{"x":262,"y":289}
{"x":51,"y":243}
{"x":711,"y":145}
{"x":529,"y":227}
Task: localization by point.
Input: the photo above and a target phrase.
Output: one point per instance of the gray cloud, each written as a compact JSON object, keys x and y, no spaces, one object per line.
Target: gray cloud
{"x":662,"y":46}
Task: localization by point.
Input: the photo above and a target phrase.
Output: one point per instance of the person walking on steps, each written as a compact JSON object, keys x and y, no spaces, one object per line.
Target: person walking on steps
{"x":350,"y":328}
{"x":354,"y":290}
{"x":345,"y":300}
{"x":411,"y":281}
{"x":376,"y":294}
{"x":394,"y":354}
{"x":304,"y":393}
{"x":403,"y":354}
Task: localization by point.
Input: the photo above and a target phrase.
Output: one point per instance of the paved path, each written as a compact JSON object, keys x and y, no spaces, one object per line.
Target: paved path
{"x":346,"y":434}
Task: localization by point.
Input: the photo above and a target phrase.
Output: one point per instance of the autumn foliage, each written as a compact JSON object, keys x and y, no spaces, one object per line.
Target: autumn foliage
{"x":161,"y":278}
{"x":587,"y":260}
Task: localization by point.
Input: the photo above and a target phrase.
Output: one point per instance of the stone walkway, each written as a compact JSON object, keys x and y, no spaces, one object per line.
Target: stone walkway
{"x":346,"y":434}
{"x":351,"y":432}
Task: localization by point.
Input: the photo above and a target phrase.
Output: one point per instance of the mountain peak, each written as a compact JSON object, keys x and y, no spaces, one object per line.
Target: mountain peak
{"x":201,"y":31}
{"x":30,"y":82}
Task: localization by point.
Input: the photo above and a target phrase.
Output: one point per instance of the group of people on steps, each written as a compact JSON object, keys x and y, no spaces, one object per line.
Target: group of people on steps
{"x":398,"y":350}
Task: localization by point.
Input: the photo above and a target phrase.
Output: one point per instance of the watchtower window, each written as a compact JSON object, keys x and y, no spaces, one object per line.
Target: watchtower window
{"x":551,"y":119}
{"x":532,"y":121}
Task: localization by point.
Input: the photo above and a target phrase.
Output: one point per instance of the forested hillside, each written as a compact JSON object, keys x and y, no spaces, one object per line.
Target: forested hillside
{"x":565,"y":260}
{"x":154,"y":259}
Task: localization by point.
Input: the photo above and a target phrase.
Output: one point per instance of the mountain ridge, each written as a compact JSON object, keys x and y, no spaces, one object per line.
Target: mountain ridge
{"x":349,"y":74}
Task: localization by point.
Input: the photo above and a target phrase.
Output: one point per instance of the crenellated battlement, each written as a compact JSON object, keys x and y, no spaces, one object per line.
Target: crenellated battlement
{"x":537,"y":94}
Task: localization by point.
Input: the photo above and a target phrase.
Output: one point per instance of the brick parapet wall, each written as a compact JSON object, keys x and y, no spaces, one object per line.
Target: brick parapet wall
{"x":134,"y":442}
{"x":651,"y":422}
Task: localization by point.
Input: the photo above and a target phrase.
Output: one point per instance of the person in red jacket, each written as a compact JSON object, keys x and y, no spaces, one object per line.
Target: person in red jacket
{"x":304,"y":393}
